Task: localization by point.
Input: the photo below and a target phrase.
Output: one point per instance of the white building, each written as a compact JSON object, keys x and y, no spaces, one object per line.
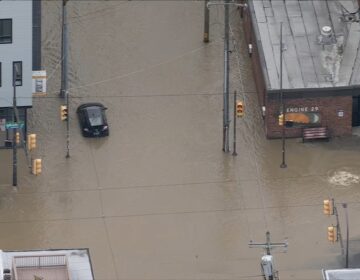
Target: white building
{"x":16,"y":49}
{"x":341,"y":274}
{"x":66,"y":264}
{"x":19,"y":49}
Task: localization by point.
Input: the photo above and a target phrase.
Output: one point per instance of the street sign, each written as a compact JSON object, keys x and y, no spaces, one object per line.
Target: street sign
{"x":14,"y":125}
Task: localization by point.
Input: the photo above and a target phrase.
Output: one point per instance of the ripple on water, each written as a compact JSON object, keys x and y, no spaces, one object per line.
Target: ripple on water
{"x":344,"y":177}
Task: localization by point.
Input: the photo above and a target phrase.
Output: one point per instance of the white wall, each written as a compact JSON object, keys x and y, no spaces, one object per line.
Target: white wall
{"x":19,"y":50}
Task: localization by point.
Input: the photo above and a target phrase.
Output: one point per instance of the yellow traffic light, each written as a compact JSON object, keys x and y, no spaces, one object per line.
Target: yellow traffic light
{"x":31,"y":141}
{"x":328,"y":207}
{"x":281,"y":119}
{"x":36,"y":166}
{"x":332,"y":234}
{"x":17,"y":137}
{"x":63,"y":112}
{"x":239,"y":108}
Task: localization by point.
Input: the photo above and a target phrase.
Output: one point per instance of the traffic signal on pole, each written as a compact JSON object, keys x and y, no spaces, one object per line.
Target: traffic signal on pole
{"x":17,"y":137}
{"x":281,"y":119}
{"x":328,"y":207}
{"x":239,"y":108}
{"x":31,"y":141}
{"x":63,"y":112}
{"x":36,"y":166}
{"x":332,"y":234}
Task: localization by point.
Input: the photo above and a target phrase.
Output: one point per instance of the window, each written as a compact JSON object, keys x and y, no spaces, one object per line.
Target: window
{"x":95,"y":116}
{"x":0,"y":74}
{"x":5,"y":31}
{"x":17,"y":73}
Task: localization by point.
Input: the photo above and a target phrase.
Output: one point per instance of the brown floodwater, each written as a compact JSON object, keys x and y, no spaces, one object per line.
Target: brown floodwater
{"x":158,"y":199}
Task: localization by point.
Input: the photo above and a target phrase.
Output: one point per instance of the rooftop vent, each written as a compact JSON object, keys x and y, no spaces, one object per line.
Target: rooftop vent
{"x":326,"y":31}
{"x":327,"y":36}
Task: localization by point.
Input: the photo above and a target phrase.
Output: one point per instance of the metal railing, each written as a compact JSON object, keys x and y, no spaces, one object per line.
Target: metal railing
{"x":40,"y":261}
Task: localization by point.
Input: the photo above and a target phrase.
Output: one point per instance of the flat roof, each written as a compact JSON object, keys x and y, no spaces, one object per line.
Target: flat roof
{"x":341,"y":274}
{"x":310,"y":59}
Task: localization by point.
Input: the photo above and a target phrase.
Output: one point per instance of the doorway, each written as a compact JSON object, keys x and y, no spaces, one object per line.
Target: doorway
{"x":356,"y":111}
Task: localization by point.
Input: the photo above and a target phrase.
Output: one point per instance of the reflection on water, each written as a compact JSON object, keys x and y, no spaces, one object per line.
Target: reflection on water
{"x":343,"y":178}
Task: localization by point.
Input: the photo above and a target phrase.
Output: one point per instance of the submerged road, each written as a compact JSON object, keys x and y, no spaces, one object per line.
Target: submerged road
{"x":158,"y":199}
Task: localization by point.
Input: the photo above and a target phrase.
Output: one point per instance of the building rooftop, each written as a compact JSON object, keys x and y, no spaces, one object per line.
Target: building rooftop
{"x":320,"y":43}
{"x":341,"y":274}
{"x":69,"y":264}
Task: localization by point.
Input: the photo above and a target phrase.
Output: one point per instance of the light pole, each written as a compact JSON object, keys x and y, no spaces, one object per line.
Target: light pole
{"x":226,"y":97}
{"x":15,"y":120}
{"x":283,"y":164}
{"x":64,"y":48}
{"x":206,"y":22}
{"x":226,"y":80}
{"x":347,"y":235}
{"x":234,"y":126}
{"x":67,"y":126}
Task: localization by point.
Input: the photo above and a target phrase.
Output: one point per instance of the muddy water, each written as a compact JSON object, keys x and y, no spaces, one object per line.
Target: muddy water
{"x":158,"y":199}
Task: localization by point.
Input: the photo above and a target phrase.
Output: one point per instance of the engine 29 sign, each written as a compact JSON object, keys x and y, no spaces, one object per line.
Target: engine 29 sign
{"x":302,"y":109}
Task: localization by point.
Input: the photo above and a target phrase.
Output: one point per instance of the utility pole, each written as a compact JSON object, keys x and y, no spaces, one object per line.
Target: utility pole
{"x":267,"y":264}
{"x":331,"y":209}
{"x":226,"y":79}
{"x":347,"y":235}
{"x":15,"y":120}
{"x":283,"y":164}
{"x":206,"y":22}
{"x":67,"y":126}
{"x":226,"y":97}
{"x":64,"y":49}
{"x":234,"y":126}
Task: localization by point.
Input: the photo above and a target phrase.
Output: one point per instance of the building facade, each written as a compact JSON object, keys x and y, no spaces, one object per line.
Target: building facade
{"x":320,"y":63}
{"x":18,"y":51}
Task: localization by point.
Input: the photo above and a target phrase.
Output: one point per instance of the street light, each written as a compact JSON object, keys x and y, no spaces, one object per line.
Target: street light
{"x":283,"y":164}
{"x":344,"y":205}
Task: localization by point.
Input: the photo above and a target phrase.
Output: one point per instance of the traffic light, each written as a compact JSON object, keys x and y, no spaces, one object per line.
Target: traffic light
{"x":17,"y":138}
{"x":36,"y":166}
{"x":63,"y":112}
{"x":31,"y":141}
{"x":328,"y":207}
{"x":332,"y":234}
{"x":281,"y":120}
{"x":239,"y":108}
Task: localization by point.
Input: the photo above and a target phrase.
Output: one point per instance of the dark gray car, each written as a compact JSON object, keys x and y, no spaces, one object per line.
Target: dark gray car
{"x":93,"y":122}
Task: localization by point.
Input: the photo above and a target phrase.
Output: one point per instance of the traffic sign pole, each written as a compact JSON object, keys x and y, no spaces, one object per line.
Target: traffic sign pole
{"x":14,"y":132}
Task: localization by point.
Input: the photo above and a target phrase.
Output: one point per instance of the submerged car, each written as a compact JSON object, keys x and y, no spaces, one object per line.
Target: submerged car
{"x":93,"y":122}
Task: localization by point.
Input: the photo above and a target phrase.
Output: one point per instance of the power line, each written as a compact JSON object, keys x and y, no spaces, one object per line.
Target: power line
{"x":184,"y":94}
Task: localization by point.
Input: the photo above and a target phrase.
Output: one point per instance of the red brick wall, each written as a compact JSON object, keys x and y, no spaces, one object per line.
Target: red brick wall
{"x":327,"y":107}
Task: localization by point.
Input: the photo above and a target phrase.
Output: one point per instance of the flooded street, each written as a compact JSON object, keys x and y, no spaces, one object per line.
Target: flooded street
{"x":158,"y":198}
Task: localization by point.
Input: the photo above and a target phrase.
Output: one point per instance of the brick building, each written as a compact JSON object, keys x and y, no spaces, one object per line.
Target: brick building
{"x":321,"y":63}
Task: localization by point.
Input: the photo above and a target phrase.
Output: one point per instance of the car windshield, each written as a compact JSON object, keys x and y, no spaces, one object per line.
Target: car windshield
{"x":95,"y":117}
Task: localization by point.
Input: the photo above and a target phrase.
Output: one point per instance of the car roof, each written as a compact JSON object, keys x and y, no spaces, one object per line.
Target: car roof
{"x":86,"y":105}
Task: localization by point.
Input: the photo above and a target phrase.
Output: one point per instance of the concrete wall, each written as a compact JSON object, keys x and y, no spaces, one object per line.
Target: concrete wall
{"x":19,"y":50}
